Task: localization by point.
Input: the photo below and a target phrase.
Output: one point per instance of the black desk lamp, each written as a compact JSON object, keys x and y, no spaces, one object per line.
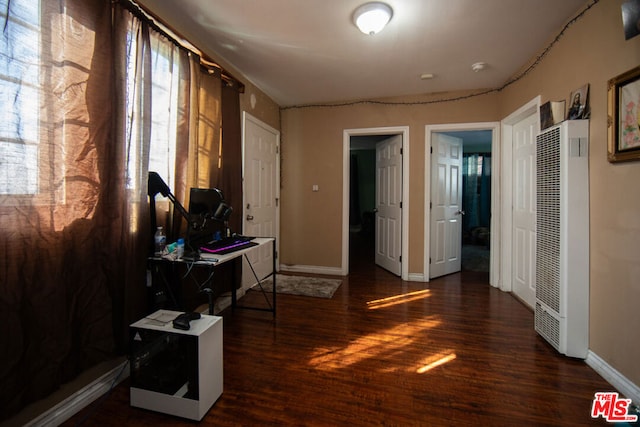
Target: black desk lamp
{"x":157,"y":185}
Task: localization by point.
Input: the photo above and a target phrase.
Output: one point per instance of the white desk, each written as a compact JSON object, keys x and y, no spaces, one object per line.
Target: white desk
{"x":210,"y":261}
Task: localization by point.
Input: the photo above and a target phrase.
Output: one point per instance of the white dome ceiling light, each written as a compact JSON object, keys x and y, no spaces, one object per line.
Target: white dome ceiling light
{"x":478,"y":66}
{"x":372,"y":17}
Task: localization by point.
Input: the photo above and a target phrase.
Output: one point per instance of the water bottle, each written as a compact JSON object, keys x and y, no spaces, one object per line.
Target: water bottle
{"x":160,"y":241}
{"x":180,"y":248}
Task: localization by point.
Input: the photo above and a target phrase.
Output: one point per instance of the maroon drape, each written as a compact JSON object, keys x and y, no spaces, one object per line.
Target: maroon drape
{"x":60,"y":274}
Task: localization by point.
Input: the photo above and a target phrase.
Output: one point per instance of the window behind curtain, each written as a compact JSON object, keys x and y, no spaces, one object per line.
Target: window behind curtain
{"x":61,"y":246}
{"x":20,"y":46}
{"x":162,"y":96}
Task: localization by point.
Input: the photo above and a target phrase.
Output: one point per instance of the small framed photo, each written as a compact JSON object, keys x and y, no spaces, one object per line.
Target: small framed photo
{"x":579,"y":104}
{"x":551,"y":113}
{"x":623,"y":121}
{"x":631,"y":18}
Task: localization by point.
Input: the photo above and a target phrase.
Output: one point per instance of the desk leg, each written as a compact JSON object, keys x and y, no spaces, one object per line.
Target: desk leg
{"x":233,"y":296}
{"x":273,"y":271}
{"x":272,"y":303}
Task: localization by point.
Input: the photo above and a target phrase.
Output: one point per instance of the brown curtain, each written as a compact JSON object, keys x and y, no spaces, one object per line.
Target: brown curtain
{"x":216,"y":163}
{"x":186,"y":132}
{"x":60,"y":274}
{"x":74,"y":211}
{"x":131,"y":115}
{"x":230,"y":175}
{"x":208,"y":156}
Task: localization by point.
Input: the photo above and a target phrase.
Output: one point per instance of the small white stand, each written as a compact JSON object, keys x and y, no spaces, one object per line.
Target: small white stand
{"x":174,"y":371}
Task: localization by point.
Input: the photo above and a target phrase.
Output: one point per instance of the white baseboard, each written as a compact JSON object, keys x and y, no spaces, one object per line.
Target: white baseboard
{"x":416,"y":277}
{"x":82,"y":398}
{"x":335,"y":271}
{"x":311,"y":269}
{"x":615,"y":378}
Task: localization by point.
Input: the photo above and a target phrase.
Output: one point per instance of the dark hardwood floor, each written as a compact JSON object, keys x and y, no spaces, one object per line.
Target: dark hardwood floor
{"x":453,"y":351}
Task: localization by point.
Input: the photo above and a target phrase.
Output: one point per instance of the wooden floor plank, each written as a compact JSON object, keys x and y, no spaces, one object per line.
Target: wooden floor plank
{"x":382,"y":351}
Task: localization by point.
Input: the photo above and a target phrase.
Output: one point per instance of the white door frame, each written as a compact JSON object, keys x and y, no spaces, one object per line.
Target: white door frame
{"x":495,"y":239}
{"x":346,"y":173}
{"x":246,"y":117}
{"x":506,"y":207}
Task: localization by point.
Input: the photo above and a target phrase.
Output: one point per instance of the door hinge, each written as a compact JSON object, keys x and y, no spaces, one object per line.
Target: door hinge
{"x":277,"y":149}
{"x":431,"y":150}
{"x":430,"y":205}
{"x":400,"y":258}
{"x":401,"y":151}
{"x":277,"y":201}
{"x":400,"y":205}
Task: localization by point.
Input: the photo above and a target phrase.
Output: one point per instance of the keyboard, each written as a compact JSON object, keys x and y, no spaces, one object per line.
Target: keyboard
{"x":228,"y":245}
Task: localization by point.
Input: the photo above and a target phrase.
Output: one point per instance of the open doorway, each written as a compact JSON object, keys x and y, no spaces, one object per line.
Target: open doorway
{"x":375,"y":202}
{"x":476,"y":199}
{"x":362,"y":200}
{"x":444,"y":211}
{"x":382,"y":223}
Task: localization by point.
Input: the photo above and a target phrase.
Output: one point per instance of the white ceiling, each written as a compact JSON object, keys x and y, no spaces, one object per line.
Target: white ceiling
{"x":308,"y":51}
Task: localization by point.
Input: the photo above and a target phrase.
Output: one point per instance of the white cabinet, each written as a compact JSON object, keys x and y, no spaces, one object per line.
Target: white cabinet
{"x":175,"y":371}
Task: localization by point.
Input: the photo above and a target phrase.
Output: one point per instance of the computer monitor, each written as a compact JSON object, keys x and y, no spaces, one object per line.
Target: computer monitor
{"x":209,"y":213}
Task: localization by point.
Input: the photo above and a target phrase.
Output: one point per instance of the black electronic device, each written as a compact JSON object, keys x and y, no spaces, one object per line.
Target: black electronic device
{"x":183,"y":321}
{"x":227,"y":245}
{"x":209,"y":210}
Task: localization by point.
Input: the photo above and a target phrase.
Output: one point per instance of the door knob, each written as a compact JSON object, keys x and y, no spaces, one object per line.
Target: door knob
{"x":249,"y":217}
{"x":459,"y":212}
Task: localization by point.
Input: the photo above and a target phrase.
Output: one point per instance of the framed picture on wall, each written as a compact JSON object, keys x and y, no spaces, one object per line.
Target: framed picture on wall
{"x":623,"y":119}
{"x":579,"y":104}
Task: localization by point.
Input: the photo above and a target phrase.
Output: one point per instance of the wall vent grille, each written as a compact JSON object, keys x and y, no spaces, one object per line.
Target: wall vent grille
{"x":547,"y":325}
{"x":548,"y":219}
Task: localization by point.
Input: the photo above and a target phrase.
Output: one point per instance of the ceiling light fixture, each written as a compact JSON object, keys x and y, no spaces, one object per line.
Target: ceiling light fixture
{"x":372,"y":17}
{"x":478,"y":66}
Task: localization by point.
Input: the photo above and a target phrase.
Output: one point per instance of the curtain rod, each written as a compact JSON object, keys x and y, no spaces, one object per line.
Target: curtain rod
{"x":163,"y":28}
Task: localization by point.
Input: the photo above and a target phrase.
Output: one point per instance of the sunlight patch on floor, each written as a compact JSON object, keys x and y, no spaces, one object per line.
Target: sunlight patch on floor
{"x":397,"y":299}
{"x":376,"y":345}
{"x":435,"y":360}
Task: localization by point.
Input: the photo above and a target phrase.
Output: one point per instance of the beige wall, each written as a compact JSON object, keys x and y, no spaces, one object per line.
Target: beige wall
{"x":260,"y":106}
{"x":592,"y":51}
{"x":312,"y":153}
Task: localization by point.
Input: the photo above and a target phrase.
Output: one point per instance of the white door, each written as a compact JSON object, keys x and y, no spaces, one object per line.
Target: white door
{"x":524,"y":209}
{"x":446,"y":205}
{"x":261,"y":184}
{"x":389,"y":204}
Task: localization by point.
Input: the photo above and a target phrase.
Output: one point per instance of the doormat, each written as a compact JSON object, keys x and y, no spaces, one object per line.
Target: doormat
{"x":317,"y":287}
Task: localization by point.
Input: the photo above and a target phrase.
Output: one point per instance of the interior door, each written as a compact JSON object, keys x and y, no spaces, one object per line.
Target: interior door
{"x":260,"y":193}
{"x":446,"y":205}
{"x":389,"y":204}
{"x":524,"y":209}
